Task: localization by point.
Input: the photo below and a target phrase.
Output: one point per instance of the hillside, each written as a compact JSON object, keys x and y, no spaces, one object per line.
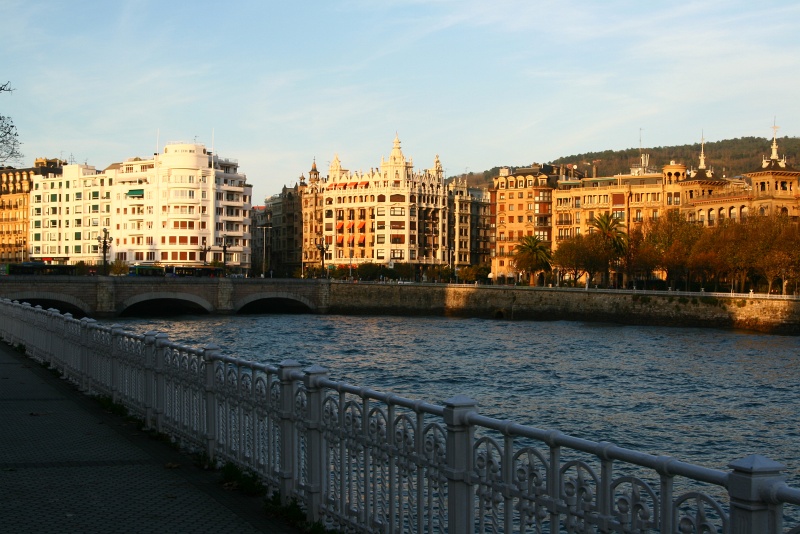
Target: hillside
{"x":730,"y":157}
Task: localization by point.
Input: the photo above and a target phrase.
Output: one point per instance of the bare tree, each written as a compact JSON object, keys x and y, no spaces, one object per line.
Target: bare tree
{"x":9,"y":140}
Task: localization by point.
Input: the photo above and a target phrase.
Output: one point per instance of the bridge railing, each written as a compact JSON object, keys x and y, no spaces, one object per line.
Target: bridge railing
{"x":361,"y":460}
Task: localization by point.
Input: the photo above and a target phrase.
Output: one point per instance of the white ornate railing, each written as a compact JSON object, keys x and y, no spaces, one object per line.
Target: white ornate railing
{"x":364,"y":461}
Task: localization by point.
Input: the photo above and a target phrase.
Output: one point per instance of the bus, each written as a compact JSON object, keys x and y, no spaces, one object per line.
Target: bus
{"x":40,"y":269}
{"x":146,"y":270}
{"x":202,"y":271}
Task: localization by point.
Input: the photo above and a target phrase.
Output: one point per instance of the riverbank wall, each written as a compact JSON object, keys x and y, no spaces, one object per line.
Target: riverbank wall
{"x":716,"y":310}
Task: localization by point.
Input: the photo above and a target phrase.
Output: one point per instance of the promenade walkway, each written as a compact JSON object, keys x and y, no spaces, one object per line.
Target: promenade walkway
{"x":66,"y":465}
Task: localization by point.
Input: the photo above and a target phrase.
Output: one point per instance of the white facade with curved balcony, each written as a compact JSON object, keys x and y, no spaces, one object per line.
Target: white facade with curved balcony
{"x":178,"y":208}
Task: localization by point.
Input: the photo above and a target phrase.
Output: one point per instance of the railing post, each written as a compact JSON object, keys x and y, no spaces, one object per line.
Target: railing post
{"x":160,"y":402}
{"x":460,"y":491}
{"x":54,"y":352}
{"x":149,"y":377}
{"x":116,"y":332}
{"x":210,"y":354}
{"x":315,"y":447}
{"x":85,"y":373}
{"x":288,"y":443}
{"x":749,"y":486}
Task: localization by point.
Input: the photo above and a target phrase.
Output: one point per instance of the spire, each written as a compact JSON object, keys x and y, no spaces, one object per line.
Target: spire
{"x":702,"y":152}
{"x":774,"y":141}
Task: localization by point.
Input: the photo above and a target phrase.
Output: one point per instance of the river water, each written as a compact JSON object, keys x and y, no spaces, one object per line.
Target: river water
{"x":703,"y":396}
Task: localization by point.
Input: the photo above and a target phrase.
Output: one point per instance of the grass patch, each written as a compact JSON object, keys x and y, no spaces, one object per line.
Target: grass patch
{"x":247,"y":482}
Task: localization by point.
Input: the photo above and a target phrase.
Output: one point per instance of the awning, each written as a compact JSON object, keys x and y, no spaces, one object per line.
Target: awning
{"x":350,"y":225}
{"x":339,"y":225}
{"x":351,"y":239}
{"x":339,"y":239}
{"x":352,"y":185}
{"x":362,"y":184}
{"x":361,"y":225}
{"x":361,"y":239}
{"x":135,"y":193}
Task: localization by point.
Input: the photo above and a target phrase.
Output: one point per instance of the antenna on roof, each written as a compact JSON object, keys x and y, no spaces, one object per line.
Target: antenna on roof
{"x":640,"y":140}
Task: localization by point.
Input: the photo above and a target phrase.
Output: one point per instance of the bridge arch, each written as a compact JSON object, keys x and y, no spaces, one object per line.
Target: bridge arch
{"x":268,"y":295}
{"x":165,"y":295}
{"x":52,"y":299}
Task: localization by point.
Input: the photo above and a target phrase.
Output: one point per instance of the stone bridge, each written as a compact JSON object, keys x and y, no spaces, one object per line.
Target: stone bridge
{"x":108,"y":296}
{"x":104,"y":296}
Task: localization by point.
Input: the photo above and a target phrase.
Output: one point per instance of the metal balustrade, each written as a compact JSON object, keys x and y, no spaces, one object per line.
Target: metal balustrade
{"x":360,"y":460}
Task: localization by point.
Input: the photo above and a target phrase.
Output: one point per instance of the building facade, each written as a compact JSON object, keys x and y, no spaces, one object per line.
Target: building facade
{"x":388,"y":215}
{"x":283,"y":216}
{"x":185,"y":206}
{"x":468,"y":224}
{"x":521,"y":204}
{"x":15,"y":194}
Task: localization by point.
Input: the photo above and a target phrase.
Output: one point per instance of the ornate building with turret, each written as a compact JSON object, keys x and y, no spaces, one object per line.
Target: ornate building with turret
{"x":389,"y":214}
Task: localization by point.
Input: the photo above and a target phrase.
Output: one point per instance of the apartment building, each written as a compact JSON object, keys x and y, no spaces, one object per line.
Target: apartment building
{"x":390,"y":214}
{"x":283,"y":215}
{"x":521,"y":201}
{"x":468,"y":224}
{"x":184,"y":206}
{"x":15,"y":194}
{"x":645,"y":194}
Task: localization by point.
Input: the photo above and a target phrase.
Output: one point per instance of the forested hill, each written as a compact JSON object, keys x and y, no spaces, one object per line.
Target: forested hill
{"x":731,"y":157}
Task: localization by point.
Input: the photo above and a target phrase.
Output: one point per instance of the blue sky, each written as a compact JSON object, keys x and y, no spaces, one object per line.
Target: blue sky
{"x":481,"y":83}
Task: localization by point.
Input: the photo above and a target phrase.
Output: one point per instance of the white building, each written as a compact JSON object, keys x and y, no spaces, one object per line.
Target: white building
{"x":173,"y":209}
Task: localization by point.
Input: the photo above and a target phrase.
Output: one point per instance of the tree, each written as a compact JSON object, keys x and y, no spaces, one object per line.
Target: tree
{"x":612,"y":232}
{"x":638,"y":256}
{"x":119,"y":268}
{"x":596,"y":256}
{"x":532,"y":255}
{"x":569,"y":257}
{"x":673,"y":237}
{"x":9,"y":140}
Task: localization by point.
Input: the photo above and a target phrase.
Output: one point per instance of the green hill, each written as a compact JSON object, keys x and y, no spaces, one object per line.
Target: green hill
{"x":730,"y":157}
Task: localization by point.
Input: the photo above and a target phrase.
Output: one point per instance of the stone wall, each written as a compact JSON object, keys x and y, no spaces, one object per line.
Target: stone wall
{"x":667,"y":308}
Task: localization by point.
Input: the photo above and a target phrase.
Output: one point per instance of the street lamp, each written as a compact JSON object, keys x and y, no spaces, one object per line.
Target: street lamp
{"x":105,"y":241}
{"x":204,"y":253}
{"x":224,"y":255}
{"x":351,"y":265}
{"x":323,"y":248}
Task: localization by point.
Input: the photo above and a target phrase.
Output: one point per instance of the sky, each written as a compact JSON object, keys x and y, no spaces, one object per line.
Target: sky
{"x":278,"y":85}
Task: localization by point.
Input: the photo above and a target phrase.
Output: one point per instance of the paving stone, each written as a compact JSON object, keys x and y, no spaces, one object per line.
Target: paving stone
{"x":66,"y":465}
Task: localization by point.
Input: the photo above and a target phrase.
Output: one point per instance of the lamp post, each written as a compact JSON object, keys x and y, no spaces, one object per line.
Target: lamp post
{"x":264,"y":252}
{"x":224,"y":255}
{"x":323,"y":248}
{"x":105,"y":241}
{"x":204,"y":253}
{"x":351,"y":265}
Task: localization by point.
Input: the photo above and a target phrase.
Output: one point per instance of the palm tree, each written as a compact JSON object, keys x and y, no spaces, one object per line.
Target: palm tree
{"x":612,"y":231}
{"x":532,"y":255}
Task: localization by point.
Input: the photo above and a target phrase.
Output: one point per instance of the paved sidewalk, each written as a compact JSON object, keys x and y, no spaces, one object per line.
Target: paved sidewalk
{"x":66,"y":465}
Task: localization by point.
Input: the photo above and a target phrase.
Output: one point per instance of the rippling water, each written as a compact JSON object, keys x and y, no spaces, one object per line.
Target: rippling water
{"x":704,"y":396}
